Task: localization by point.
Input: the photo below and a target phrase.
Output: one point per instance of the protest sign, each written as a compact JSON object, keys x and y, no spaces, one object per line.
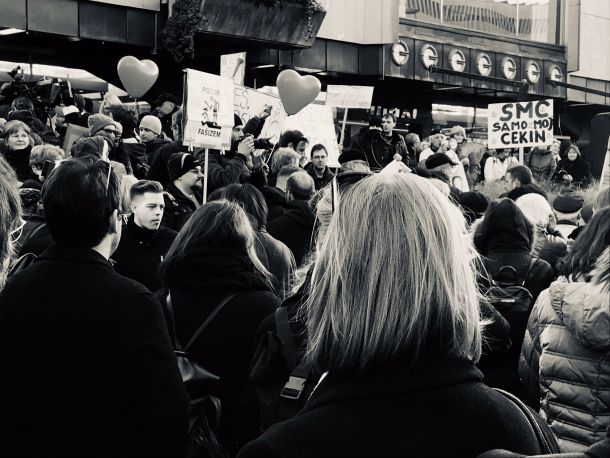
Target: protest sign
{"x":349,"y":96}
{"x":233,"y":66}
{"x":73,"y":133}
{"x":208,"y":115}
{"x":249,"y":103}
{"x":520,"y":124}
{"x":317,"y":124}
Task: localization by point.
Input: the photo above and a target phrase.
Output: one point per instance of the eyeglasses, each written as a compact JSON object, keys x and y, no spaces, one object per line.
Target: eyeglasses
{"x":15,"y":234}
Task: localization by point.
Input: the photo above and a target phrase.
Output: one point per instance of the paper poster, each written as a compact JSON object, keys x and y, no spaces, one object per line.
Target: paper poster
{"x":233,"y":66}
{"x":317,"y":124}
{"x":208,"y":115}
{"x":250,"y":102}
{"x":520,"y":124}
{"x":349,"y":96}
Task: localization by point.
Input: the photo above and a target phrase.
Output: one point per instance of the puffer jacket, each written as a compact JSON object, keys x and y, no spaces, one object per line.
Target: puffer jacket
{"x":565,"y":361}
{"x":542,"y":164}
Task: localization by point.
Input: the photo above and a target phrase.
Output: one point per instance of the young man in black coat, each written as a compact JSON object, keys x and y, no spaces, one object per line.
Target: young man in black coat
{"x":183,"y":195}
{"x":144,"y":242}
{"x":295,"y":226}
{"x":95,"y":373}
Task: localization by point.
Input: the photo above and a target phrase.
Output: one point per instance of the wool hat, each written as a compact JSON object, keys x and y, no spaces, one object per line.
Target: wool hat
{"x":88,"y":146}
{"x":97,"y":122}
{"x":165,"y":97}
{"x":438,"y":159}
{"x":474,"y":201}
{"x":151,"y":123}
{"x":352,"y":155}
{"x":179,"y":164}
{"x":567,"y":203}
{"x":237,"y":120}
{"x":457,"y":130}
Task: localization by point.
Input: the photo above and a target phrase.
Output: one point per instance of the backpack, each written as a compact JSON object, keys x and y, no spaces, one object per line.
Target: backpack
{"x":514,"y":302}
{"x":282,"y":379}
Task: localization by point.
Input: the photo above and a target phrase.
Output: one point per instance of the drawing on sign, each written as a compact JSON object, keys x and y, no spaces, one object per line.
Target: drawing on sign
{"x":249,"y":103}
{"x":520,"y":124}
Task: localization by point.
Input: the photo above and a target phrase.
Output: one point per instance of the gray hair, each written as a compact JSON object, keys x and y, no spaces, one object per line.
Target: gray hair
{"x":394,"y":278}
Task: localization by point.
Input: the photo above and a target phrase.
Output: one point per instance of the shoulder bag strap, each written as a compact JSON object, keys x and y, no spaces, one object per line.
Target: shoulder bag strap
{"x":286,"y":339}
{"x":529,"y":268}
{"x":209,"y":319}
{"x":172,"y":325}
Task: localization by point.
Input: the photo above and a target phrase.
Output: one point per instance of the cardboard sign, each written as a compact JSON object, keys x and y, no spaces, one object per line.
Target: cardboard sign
{"x":317,"y":124}
{"x":349,"y":96}
{"x":233,"y":66}
{"x":208,"y":116}
{"x":515,"y":125}
{"x":249,"y":103}
{"x":73,"y":133}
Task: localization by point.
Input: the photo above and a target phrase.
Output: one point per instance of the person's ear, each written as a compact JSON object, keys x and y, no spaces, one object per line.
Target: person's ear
{"x":115,"y":222}
{"x":133,"y":207}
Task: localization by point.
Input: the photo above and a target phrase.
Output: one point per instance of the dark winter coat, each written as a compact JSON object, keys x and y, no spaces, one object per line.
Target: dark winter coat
{"x":380,"y":149}
{"x":158,"y":167}
{"x":294,"y":227}
{"x":277,"y":258}
{"x":322,"y":182}
{"x":223,"y":171}
{"x":95,"y":373}
{"x":550,"y":248}
{"x":542,"y":163}
{"x":531,"y":188}
{"x":505,"y":238}
{"x":437,"y":408}
{"x":276,"y":201}
{"x":19,"y":160}
{"x":152,"y":148}
{"x":178,"y":208}
{"x":136,"y":152}
{"x":565,"y":361}
{"x":141,"y":252}
{"x":578,"y":168}
{"x":197,"y":284}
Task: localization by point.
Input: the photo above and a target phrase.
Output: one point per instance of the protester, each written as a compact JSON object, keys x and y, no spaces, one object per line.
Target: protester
{"x":129,"y":146}
{"x":22,"y":109}
{"x":547,"y":245}
{"x":165,"y":107}
{"x":294,"y":226}
{"x":567,"y":206}
{"x":564,"y":361}
{"x":363,"y":140}
{"x":295,"y":140}
{"x":110,"y":130}
{"x":39,"y":156}
{"x":520,"y":181}
{"x":318,"y":168}
{"x":458,"y":176}
{"x":280,"y":158}
{"x":144,"y":242}
{"x":273,"y":254}
{"x":473,"y":204}
{"x":212,"y":261}
{"x":158,"y":166}
{"x":112,"y":386}
{"x":504,"y":239}
{"x":573,"y":169}
{"x":390,"y":350}
{"x":354,"y":160}
{"x":386,"y":145}
{"x":412,"y":140}
{"x":434,"y":146}
{"x":183,"y":195}
{"x":542,"y":163}
{"x":17,"y":148}
{"x":497,"y":166}
{"x":442,"y":167}
{"x":10,"y":217}
{"x":275,"y":196}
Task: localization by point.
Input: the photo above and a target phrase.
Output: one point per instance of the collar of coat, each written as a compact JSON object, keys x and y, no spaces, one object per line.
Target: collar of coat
{"x":58,"y":252}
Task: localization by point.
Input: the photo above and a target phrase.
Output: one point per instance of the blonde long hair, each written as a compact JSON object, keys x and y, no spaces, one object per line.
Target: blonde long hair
{"x":394,"y":279}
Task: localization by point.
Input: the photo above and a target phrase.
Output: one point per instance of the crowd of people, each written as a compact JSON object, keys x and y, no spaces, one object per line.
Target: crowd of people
{"x":395,"y":303}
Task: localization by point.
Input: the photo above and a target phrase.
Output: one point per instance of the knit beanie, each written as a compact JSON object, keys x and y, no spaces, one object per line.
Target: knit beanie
{"x":237,"y":120}
{"x":180,"y":163}
{"x":151,"y":123}
{"x":97,"y":122}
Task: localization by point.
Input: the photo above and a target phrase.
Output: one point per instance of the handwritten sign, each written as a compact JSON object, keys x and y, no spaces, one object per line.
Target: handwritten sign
{"x":233,"y":66}
{"x":317,"y":124}
{"x":349,"y":96}
{"x":209,"y":118}
{"x":249,"y":103}
{"x":520,"y":124}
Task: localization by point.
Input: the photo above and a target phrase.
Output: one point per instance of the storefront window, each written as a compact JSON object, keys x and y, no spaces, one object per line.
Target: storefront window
{"x":534,"y":20}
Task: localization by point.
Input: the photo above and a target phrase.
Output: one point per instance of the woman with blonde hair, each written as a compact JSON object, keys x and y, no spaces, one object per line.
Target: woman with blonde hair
{"x":393,"y":322}
{"x":212,"y":263}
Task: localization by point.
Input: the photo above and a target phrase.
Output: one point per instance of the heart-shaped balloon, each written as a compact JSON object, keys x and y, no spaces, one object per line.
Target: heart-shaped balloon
{"x":137,"y":76}
{"x":297,"y":91}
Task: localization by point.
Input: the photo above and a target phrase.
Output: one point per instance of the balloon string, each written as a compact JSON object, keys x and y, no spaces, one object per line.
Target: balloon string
{"x":266,"y":162}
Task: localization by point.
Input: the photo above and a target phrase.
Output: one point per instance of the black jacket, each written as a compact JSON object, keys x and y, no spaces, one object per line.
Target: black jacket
{"x":158,"y":166}
{"x":531,"y":188}
{"x":276,"y":201}
{"x":579,"y":169}
{"x":223,"y":170}
{"x":380,"y":149}
{"x":294,"y":227}
{"x":136,"y":152}
{"x":141,"y":252}
{"x":95,"y":373}
{"x":152,"y":148}
{"x":438,"y":408}
{"x":178,"y":208}
{"x":197,"y":284}
{"x":319,"y":183}
{"x":19,"y":160}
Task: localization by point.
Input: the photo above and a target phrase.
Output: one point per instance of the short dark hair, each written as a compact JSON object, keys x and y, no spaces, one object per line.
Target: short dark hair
{"x":389,"y":115}
{"x":318,"y":147}
{"x":125,"y":117}
{"x":139,"y":188}
{"x":521,"y":173}
{"x":250,"y":198}
{"x":291,"y":136}
{"x":23,"y":103}
{"x":79,"y":197}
